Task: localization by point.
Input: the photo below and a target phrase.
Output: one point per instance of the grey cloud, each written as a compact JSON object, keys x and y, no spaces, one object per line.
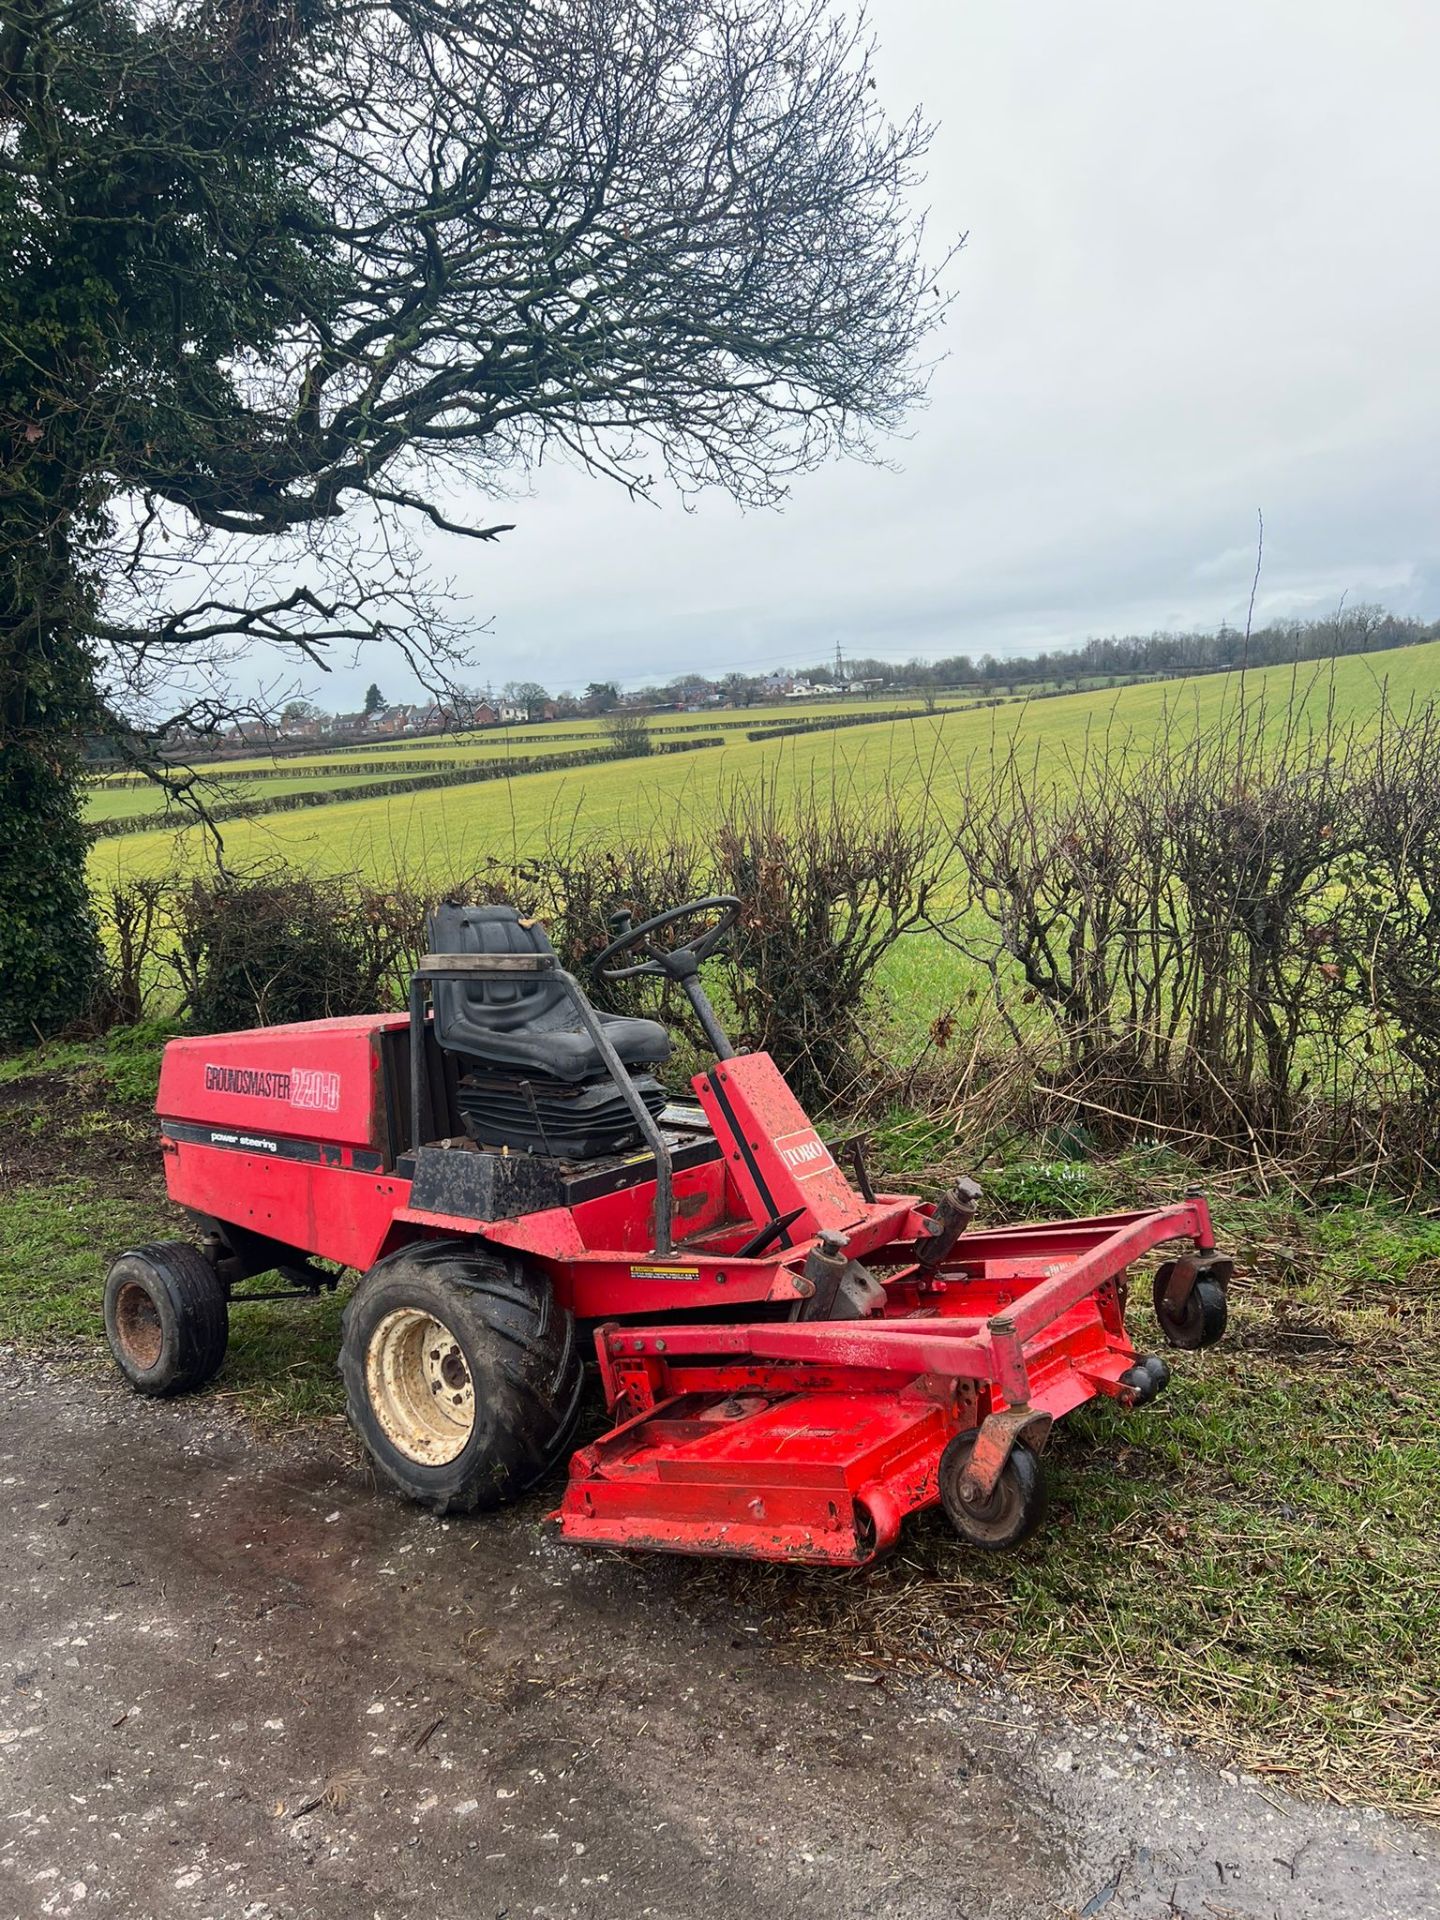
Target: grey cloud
{"x":1202,"y":277}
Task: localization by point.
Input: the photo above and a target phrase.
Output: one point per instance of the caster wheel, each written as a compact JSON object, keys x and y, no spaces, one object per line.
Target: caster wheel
{"x":1141,"y":1383}
{"x":1016,"y":1505}
{"x":1157,"y":1370}
{"x":1200,"y":1321}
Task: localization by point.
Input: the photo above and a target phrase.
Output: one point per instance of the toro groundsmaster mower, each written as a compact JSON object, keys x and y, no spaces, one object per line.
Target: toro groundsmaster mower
{"x":792,"y":1361}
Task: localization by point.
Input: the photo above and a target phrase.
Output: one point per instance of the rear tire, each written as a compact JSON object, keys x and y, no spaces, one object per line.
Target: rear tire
{"x":462,"y":1375}
{"x":166,"y":1317}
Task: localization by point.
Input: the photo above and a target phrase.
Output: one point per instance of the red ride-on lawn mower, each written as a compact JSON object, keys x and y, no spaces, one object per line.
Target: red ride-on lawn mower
{"x":792,"y":1361}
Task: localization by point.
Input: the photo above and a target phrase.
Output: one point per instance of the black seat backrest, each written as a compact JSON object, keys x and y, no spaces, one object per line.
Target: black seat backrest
{"x":466,"y":1010}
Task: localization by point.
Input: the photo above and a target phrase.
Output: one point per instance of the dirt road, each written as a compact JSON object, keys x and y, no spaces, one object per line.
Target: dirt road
{"x":236,"y":1684}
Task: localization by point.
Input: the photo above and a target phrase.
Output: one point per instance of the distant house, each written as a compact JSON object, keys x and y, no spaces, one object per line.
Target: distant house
{"x":459,"y":715}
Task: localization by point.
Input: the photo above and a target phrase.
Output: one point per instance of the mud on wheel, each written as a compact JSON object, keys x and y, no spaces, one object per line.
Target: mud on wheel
{"x":462,"y":1376}
{"x":1012,"y":1510}
{"x":166,"y":1317}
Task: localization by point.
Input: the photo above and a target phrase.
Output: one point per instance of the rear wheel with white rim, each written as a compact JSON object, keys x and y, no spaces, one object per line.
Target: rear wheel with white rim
{"x":462,"y":1375}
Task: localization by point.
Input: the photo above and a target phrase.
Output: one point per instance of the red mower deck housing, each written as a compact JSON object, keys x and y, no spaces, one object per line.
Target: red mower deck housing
{"x":792,"y":1361}
{"x":813,"y":1441}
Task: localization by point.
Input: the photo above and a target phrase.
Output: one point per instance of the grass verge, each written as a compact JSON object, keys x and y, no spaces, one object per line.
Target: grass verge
{"x":80,"y":1179}
{"x":1252,"y":1561}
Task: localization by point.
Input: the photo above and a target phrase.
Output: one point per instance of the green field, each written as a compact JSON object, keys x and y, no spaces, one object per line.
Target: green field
{"x":448,"y":832}
{"x":317,"y":769}
{"x":115,"y":799}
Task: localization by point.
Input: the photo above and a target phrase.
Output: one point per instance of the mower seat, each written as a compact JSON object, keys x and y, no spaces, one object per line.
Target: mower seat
{"x":521,"y":1025}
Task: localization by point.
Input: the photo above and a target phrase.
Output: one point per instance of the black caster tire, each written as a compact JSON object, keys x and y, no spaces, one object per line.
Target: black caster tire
{"x":462,"y":1376}
{"x":1200,"y":1322}
{"x":1147,"y":1379}
{"x":1016,"y":1506}
{"x":167,"y":1318}
{"x":1141,"y":1383}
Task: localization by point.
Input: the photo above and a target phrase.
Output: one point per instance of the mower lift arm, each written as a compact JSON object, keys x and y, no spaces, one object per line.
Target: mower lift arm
{"x":464,"y":966}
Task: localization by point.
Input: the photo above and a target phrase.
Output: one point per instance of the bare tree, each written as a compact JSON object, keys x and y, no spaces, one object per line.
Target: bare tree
{"x":629,"y":731}
{"x":280,"y":277}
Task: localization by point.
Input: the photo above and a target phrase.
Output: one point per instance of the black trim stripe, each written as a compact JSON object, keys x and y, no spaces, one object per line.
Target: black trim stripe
{"x":737,"y":1133}
{"x":319,"y":1153}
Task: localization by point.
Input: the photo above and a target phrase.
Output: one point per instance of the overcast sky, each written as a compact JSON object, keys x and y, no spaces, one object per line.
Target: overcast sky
{"x":1202,"y":277}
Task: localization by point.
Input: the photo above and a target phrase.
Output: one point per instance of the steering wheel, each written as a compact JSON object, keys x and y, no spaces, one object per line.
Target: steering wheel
{"x":669,"y":963}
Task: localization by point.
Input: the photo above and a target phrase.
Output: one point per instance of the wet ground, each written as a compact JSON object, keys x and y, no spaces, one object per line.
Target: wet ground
{"x":236,"y":1683}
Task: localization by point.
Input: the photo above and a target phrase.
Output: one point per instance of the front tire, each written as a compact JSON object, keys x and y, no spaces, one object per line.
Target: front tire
{"x":462,"y":1375}
{"x":167,"y":1318}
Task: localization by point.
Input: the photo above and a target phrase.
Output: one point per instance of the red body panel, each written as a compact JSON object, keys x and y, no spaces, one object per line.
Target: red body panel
{"x":283,"y":1130}
{"x":776,"y":1480}
{"x":335,"y":1210}
{"x":777,"y":1160}
{"x":318,"y":1080}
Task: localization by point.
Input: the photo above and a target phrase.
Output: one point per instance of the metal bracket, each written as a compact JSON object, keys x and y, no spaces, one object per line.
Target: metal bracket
{"x":994,"y":1444}
{"x":449,"y":966}
{"x":852,"y":1148}
{"x":1176,"y":1278}
{"x":953,"y":1213}
{"x":825,"y":1268}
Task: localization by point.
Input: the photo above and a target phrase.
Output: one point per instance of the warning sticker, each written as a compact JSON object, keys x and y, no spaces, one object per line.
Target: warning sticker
{"x":664,"y":1273}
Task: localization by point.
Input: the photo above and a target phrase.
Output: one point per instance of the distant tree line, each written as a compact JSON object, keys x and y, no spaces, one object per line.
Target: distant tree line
{"x":1358,"y":629}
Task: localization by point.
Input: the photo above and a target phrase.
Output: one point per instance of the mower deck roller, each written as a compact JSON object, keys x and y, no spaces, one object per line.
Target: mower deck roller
{"x":792,"y":1361}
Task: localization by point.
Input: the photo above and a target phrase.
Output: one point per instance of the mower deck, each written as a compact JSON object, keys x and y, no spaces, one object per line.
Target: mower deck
{"x":813,"y":1440}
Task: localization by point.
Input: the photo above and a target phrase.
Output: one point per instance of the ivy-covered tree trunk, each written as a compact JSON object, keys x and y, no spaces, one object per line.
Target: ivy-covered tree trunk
{"x":49,"y":951}
{"x":49,"y":954}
